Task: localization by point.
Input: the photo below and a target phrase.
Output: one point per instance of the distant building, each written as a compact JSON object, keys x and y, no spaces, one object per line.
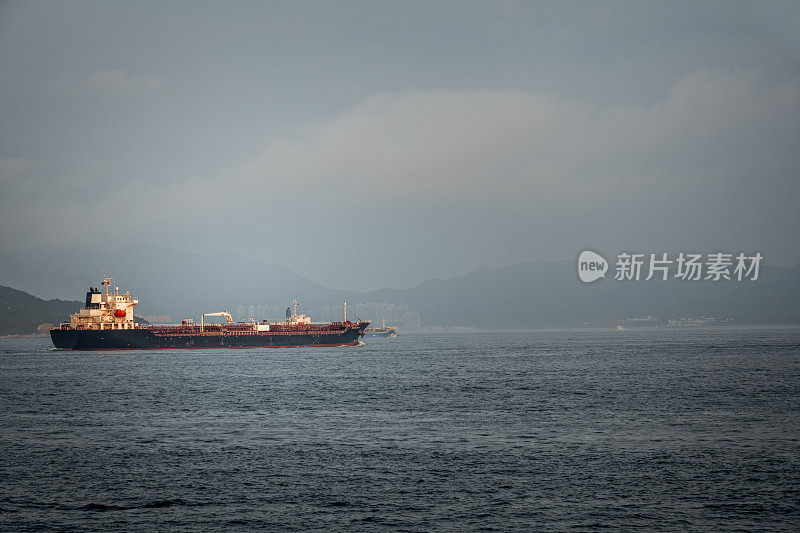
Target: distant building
{"x":325,"y":314}
{"x":159,"y":319}
{"x":411,"y":321}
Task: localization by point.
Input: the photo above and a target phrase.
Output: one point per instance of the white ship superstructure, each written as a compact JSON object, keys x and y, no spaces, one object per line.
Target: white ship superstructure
{"x":294,"y":319}
{"x":106,"y":309}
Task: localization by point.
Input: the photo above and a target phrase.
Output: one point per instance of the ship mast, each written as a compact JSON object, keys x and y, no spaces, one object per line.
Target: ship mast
{"x":107,"y":282}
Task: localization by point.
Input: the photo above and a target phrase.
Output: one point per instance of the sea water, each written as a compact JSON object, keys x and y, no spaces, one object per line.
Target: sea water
{"x":663,"y":429}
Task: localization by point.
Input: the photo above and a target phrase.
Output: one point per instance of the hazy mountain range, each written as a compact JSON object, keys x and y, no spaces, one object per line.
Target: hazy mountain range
{"x":520,"y":296}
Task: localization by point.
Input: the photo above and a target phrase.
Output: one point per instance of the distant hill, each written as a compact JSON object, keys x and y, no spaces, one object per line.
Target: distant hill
{"x":526,"y":295}
{"x":166,"y":281}
{"x":549,"y":294}
{"x":21,"y":313}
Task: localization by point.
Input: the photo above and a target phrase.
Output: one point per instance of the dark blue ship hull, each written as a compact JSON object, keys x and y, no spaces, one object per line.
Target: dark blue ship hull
{"x":144,"y":339}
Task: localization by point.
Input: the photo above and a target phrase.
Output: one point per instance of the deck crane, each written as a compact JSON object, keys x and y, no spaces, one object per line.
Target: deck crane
{"x":225,"y":314}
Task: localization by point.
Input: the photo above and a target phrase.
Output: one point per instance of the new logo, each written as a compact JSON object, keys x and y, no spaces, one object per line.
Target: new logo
{"x":591,"y":266}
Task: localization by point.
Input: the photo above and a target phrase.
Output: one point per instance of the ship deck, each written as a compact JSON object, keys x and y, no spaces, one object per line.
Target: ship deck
{"x":247,"y":329}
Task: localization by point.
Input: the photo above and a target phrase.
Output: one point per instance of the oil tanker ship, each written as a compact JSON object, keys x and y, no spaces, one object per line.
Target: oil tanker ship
{"x":106,"y":322}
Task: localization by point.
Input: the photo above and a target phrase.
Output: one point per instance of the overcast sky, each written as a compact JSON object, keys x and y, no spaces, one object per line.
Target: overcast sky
{"x":372,"y":144}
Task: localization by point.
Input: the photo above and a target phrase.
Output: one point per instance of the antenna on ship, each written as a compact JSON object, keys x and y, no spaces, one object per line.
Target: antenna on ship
{"x":345,"y":311}
{"x":106,"y":281}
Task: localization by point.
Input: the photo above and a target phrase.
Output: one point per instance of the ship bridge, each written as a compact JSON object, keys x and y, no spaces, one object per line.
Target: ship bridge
{"x":105,"y":309}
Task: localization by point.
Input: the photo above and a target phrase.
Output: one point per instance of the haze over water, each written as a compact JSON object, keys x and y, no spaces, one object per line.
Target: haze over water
{"x":668,"y":429}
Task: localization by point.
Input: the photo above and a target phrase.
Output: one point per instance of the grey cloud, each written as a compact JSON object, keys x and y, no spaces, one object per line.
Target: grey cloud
{"x":445,"y":137}
{"x":116,"y":83}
